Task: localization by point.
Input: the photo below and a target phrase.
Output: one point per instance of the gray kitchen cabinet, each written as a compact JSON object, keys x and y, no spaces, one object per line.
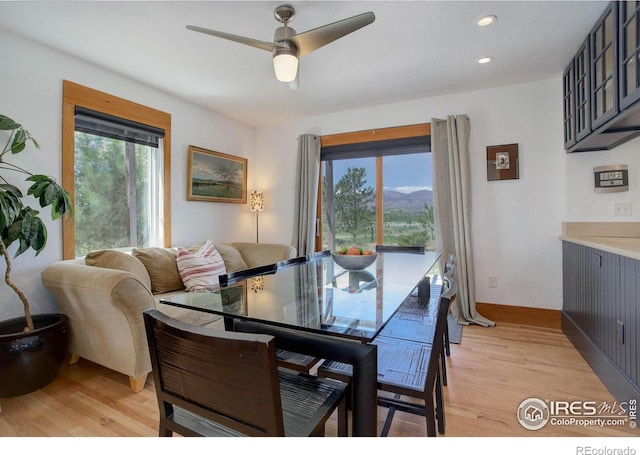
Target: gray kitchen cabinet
{"x":600,"y":314}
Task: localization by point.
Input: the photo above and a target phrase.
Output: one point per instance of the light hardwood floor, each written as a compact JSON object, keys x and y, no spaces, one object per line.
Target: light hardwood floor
{"x":490,"y":373}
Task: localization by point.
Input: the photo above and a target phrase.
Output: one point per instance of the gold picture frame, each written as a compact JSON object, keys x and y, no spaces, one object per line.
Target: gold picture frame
{"x":502,"y":162}
{"x":216,"y":177}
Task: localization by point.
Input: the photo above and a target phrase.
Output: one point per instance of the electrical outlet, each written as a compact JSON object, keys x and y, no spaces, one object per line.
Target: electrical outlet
{"x":492,"y":281}
{"x":622,"y":209}
{"x":620,"y":331}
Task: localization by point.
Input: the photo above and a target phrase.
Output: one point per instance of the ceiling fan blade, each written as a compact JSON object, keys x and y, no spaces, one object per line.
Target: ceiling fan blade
{"x":237,"y":38}
{"x":311,"y":40}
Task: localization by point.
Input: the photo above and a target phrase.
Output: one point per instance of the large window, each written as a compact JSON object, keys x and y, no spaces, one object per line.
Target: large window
{"x":376,"y":189}
{"x":116,"y":166}
{"x":117,"y":183}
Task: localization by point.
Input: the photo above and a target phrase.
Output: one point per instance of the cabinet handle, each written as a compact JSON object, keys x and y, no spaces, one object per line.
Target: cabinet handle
{"x":597,"y":260}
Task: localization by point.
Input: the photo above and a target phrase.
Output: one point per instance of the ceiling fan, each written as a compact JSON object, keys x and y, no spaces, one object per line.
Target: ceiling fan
{"x":288,"y":46}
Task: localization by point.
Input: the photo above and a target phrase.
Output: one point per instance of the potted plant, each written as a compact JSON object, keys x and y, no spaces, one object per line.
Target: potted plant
{"x":32,"y":347}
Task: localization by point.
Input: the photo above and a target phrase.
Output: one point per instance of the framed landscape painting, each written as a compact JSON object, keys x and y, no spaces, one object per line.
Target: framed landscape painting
{"x":216,"y":177}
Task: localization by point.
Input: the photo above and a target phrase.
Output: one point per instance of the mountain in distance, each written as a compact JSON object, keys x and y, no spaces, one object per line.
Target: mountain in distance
{"x":395,"y":200}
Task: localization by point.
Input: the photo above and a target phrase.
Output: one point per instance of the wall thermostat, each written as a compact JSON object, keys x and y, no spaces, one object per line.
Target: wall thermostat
{"x":610,"y":179}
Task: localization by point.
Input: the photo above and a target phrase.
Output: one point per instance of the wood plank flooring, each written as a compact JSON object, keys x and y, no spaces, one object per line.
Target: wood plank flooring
{"x":489,"y":374}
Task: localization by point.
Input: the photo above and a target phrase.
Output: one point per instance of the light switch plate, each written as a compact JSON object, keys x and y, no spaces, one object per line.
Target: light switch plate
{"x":622,"y":209}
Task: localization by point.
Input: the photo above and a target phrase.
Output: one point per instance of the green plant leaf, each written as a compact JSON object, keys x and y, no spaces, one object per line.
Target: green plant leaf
{"x":50,"y":195}
{"x":40,"y":187}
{"x":33,"y":140}
{"x":33,"y":232}
{"x":48,"y":192}
{"x":10,"y":204}
{"x":13,"y":233}
{"x":8,"y":124}
{"x":62,"y":205}
{"x":19,"y":141}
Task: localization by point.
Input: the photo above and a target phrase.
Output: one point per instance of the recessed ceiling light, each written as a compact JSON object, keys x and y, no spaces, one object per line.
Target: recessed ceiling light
{"x":486,"y":20}
{"x":484,"y":60}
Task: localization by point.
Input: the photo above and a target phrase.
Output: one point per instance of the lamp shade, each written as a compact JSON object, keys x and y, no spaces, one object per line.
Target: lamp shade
{"x":257,"y":284}
{"x":256,"y":201}
{"x":285,"y":65}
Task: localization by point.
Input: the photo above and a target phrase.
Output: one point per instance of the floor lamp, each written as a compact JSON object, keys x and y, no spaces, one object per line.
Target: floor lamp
{"x":257,"y":205}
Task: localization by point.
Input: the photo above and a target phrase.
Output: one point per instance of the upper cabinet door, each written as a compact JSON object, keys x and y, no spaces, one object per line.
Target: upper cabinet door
{"x":604,"y":70}
{"x":582,"y":91}
{"x":569,"y":105}
{"x":629,"y":48}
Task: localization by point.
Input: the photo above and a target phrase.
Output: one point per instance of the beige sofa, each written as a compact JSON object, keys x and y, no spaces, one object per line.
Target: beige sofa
{"x":105,"y":294}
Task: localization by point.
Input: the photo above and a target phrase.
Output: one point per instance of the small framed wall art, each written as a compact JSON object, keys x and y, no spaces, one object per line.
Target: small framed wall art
{"x":216,"y":177}
{"x":502,"y":162}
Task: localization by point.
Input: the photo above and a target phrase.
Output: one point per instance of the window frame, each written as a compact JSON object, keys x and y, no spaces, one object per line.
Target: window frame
{"x":73,"y":95}
{"x":356,"y":137}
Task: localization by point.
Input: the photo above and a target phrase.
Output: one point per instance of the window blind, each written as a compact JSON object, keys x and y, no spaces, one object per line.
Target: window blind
{"x":101,"y":124}
{"x":401,"y":146}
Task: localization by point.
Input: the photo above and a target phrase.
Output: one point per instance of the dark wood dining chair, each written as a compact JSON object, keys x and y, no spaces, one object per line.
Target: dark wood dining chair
{"x":451,"y":293}
{"x":407,"y":369}
{"x":216,"y":383}
{"x":415,"y":319}
{"x":296,"y":361}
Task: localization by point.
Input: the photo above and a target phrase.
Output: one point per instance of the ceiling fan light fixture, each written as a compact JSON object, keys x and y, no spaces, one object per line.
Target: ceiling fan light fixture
{"x":285,"y":65}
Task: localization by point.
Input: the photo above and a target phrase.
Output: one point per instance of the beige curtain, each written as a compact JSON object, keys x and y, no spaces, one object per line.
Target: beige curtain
{"x":452,"y":204}
{"x":306,"y":194}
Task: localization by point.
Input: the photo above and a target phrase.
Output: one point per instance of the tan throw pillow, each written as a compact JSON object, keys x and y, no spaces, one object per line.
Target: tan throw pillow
{"x":233,"y":260}
{"x":112,"y":259}
{"x":162,"y":268}
{"x":200,"y":270}
{"x":195,"y":247}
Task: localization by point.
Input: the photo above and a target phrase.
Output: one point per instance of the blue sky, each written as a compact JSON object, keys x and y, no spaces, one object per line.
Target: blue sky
{"x":404,"y":173}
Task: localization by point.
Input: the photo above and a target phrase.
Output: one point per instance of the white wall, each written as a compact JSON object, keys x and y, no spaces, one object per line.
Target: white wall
{"x":516,"y":223}
{"x":31,"y":93}
{"x":583,"y":203}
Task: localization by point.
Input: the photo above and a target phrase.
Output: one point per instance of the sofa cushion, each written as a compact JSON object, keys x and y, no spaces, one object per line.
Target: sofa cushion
{"x":233,"y":260}
{"x":113,"y":259}
{"x":200,"y":270}
{"x":256,"y":254}
{"x":162,"y":268}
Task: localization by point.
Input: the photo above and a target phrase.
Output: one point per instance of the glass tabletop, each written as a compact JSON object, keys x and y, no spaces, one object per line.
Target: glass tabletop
{"x":319,"y":296}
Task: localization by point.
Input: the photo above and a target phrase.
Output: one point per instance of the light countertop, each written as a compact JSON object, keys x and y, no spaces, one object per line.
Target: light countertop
{"x":618,"y":238}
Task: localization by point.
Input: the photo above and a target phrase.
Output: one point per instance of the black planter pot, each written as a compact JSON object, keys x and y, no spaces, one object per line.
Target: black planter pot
{"x":31,"y":360}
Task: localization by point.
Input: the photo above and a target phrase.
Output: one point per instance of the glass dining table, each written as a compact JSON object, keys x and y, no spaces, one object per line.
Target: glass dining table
{"x":316,"y":307}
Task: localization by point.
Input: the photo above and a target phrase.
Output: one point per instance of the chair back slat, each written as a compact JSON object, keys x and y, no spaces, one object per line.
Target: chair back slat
{"x":438,"y":338}
{"x":229,"y":378}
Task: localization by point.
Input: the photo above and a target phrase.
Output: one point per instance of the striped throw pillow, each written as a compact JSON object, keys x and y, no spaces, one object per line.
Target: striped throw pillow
{"x":200,"y":270}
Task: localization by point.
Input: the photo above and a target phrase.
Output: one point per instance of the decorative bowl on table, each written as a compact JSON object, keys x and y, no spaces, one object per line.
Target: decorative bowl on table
{"x":354,"y":261}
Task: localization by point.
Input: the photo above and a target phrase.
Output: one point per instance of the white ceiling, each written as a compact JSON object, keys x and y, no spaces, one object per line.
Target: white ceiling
{"x":414,"y":49}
